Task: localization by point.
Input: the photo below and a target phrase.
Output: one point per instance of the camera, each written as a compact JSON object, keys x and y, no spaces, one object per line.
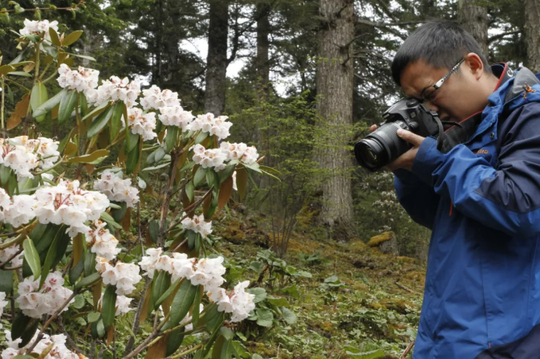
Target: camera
{"x":383,"y":146}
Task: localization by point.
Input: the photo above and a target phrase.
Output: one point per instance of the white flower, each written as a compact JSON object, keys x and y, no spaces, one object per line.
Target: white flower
{"x":122,"y":304}
{"x":35,"y":301}
{"x":197,"y":224}
{"x":175,"y":116}
{"x":123,"y":275}
{"x":148,"y":263}
{"x":154,"y":98}
{"x":57,"y":344}
{"x":238,"y":301}
{"x":209,"y":273}
{"x":102,"y":242}
{"x":24,"y":155}
{"x":68,"y":204}
{"x":115,"y":89}
{"x":212,"y":158}
{"x":240,"y":152}
{"x":218,"y":126}
{"x":116,"y":188}
{"x":40,"y":28}
{"x":234,"y":186}
{"x":3,"y":303}
{"x":18,"y":210}
{"x":80,"y":80}
{"x":142,"y":124}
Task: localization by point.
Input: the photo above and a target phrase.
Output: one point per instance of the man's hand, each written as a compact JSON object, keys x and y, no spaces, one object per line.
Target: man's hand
{"x":406,"y":160}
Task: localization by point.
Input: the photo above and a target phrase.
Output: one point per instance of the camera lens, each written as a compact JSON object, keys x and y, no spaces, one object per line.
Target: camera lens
{"x":381,"y":146}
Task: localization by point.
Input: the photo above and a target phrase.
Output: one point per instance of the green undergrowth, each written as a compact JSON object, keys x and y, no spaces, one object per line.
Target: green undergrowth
{"x":350,"y":300}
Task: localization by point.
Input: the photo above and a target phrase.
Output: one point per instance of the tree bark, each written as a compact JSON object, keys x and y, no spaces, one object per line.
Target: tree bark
{"x":262,"y":64}
{"x":335,"y":88}
{"x":532,"y":34}
{"x":474,"y":19}
{"x":216,"y":72}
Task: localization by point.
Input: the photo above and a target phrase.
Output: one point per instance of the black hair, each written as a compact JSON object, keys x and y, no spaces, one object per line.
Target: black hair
{"x":440,"y":43}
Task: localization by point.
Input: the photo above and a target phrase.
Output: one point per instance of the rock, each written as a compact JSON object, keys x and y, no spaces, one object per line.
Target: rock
{"x":386,"y":242}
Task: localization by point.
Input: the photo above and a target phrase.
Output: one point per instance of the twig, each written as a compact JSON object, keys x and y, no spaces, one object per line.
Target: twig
{"x":407,"y":351}
{"x":55,"y":314}
{"x":407,"y":289}
{"x":135,"y":327}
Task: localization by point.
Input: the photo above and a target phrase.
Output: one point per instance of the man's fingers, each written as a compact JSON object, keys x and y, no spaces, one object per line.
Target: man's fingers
{"x":410,"y":137}
{"x":372,"y":128}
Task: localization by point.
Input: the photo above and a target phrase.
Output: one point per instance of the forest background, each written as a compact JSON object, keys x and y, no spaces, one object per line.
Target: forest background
{"x":302,"y":81}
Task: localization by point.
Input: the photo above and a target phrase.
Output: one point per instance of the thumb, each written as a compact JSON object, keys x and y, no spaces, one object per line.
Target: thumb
{"x":410,"y":137}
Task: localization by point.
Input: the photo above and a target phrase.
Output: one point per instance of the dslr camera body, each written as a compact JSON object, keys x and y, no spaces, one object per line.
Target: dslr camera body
{"x":383,"y":145}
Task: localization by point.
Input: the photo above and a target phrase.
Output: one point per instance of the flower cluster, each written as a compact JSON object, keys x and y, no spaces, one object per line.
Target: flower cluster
{"x":115,"y":89}
{"x":68,"y":204}
{"x":35,"y":301}
{"x":3,"y":303}
{"x":218,"y":126}
{"x":175,"y":116}
{"x":212,"y":158}
{"x":7,"y":253}
{"x":116,"y":188}
{"x":207,"y":272}
{"x":154,"y":98}
{"x":238,"y":301}
{"x":40,"y":28}
{"x":141,"y":123}
{"x":81,"y":80}
{"x":24,"y":155}
{"x":16,"y":211}
{"x":123,"y":275}
{"x":198,"y":225}
{"x":240,"y":152}
{"x":58,"y":349}
{"x":102,"y":242}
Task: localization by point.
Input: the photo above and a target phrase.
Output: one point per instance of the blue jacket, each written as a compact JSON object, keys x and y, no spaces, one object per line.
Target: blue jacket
{"x":482,"y":202}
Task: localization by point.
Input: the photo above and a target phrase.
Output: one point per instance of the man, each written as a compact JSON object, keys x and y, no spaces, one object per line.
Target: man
{"x":481,"y":198}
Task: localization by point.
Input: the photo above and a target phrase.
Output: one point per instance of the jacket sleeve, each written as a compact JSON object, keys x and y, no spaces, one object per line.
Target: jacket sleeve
{"x":506,"y":198}
{"x":418,"y":198}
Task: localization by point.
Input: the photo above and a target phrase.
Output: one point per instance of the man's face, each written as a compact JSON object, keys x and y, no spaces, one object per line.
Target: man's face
{"x":455,"y":100}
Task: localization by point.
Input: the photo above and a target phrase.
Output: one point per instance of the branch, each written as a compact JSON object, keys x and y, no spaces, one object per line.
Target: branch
{"x":409,"y":348}
{"x":500,"y":36}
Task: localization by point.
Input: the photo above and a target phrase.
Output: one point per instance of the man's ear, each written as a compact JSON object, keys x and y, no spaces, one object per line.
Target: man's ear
{"x":474,"y":64}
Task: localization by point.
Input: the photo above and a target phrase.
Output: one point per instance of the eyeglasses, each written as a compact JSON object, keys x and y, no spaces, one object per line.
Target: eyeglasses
{"x":429,"y":93}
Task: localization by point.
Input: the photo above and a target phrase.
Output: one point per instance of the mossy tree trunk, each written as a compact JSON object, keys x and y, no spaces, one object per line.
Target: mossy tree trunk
{"x":532,"y":34}
{"x":474,"y":18}
{"x":335,"y":90}
{"x":216,"y":71}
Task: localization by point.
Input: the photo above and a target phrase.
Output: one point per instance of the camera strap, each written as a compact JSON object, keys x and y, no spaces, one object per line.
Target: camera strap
{"x":459,"y":133}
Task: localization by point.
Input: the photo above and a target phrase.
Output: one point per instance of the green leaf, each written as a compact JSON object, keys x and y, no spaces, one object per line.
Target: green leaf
{"x":166,"y":294}
{"x":199,"y":176}
{"x":153,"y":228}
{"x":50,"y":257}
{"x":93,"y":317}
{"x":182,"y":302}
{"x":212,"y":178}
{"x":195,"y":312}
{"x":89,"y":263}
{"x":21,"y":324}
{"x":374,"y":354}
{"x":176,"y":337}
{"x":172,"y":135}
{"x":227,"y":333}
{"x":107,"y":218}
{"x":132,"y":140}
{"x":108,"y":306}
{"x":98,"y":329}
{"x":277,"y":302}
{"x":116,"y":118}
{"x":265,"y":318}
{"x":20,"y":73}
{"x":259,"y":293}
{"x":100,"y":122}
{"x":5,"y":172}
{"x":88,"y":280}
{"x":133,"y":159}
{"x":190,"y":190}
{"x":31,"y":256}
{"x":226,"y":172}
{"x":6,"y":280}
{"x":256,"y":356}
{"x":67,"y":104}
{"x":5,"y":69}
{"x":71,"y":38}
{"x":54,"y":37}
{"x":97,"y":111}
{"x":38,"y":97}
{"x":48,"y":105}
{"x":160,"y":284}
{"x":79,"y":301}
{"x":288,"y":316}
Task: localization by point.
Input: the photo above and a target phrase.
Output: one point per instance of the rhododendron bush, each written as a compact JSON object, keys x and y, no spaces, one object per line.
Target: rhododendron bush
{"x":70,"y":209}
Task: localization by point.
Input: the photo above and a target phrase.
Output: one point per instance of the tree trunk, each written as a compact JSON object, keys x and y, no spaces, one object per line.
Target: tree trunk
{"x":335,"y":87}
{"x":216,"y":71}
{"x":474,"y":19}
{"x":261,"y":60}
{"x":532,"y":34}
